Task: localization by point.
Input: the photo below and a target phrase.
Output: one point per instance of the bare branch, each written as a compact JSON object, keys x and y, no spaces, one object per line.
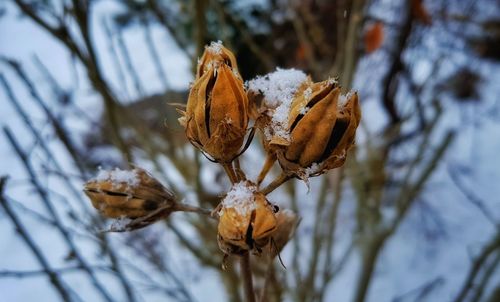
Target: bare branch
{"x":58,"y":284}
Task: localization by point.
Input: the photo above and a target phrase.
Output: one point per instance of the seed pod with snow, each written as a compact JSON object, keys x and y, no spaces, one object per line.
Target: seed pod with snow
{"x":132,"y":194}
{"x":247,"y":220}
{"x":322,"y":125}
{"x":216,"y":116}
{"x":214,"y":56}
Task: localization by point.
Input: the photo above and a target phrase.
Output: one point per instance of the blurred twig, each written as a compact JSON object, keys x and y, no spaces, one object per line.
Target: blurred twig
{"x":477,"y":265}
{"x":471,"y":196}
{"x":128,"y":62}
{"x":58,"y":126}
{"x":54,"y":278}
{"x":54,"y":215}
{"x":114,"y":56}
{"x":86,"y":55}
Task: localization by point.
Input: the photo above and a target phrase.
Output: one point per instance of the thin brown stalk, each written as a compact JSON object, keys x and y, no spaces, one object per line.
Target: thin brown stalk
{"x":268,"y":164}
{"x":267,"y":279}
{"x":246,"y":274}
{"x":182,"y":207}
{"x":350,"y":51}
{"x":281,"y":179}
{"x":228,"y":167}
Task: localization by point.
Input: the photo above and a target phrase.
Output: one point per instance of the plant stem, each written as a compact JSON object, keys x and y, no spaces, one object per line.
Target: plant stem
{"x":276,"y":183}
{"x":193,"y":209}
{"x":228,"y":167}
{"x":246,"y":273}
{"x":270,"y":159}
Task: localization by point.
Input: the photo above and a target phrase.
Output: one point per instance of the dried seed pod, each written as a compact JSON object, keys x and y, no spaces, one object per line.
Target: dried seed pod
{"x":214,"y":56}
{"x":286,"y":224}
{"x":133,"y":194}
{"x":246,"y":220}
{"x":216,"y":116}
{"x":322,"y":125}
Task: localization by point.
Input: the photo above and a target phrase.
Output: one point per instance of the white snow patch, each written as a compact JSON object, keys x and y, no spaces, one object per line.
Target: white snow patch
{"x":241,"y":198}
{"x":343,"y":98}
{"x":307,"y":93}
{"x":278,"y":89}
{"x":304,"y":110}
{"x":120,"y":224}
{"x":118,"y":177}
{"x":314,"y":168}
{"x":215,"y":47}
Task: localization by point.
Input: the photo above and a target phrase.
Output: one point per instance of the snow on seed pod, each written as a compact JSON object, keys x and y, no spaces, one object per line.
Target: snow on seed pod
{"x":133,"y":196}
{"x":247,"y":220}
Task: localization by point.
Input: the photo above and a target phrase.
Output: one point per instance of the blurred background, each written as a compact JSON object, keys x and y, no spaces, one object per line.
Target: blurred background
{"x":414,"y":215}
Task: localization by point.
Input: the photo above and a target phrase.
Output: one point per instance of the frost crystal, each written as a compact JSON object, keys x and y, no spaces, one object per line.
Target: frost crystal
{"x":307,"y":93}
{"x":241,"y":198}
{"x":215,"y":47}
{"x":118,"y":177}
{"x":343,"y":98}
{"x":278,"y":89}
{"x":313,"y":169}
{"x":304,"y":110}
{"x":120,"y":224}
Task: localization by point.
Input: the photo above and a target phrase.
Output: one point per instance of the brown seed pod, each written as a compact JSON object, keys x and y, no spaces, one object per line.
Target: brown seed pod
{"x":214,"y":56}
{"x":132,"y":194}
{"x":322,"y":125}
{"x":246,"y":220}
{"x":216,"y":116}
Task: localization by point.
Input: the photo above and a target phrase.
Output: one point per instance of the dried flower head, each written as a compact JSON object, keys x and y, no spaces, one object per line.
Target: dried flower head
{"x":214,"y":56}
{"x":216,"y":116}
{"x":275,"y":92}
{"x":322,"y":125}
{"x":246,"y":220}
{"x":131,"y":194}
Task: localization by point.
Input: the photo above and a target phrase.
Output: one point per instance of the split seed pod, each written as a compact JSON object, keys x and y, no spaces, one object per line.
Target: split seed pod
{"x":133,"y":194}
{"x":322,"y":125}
{"x":214,"y":56}
{"x":246,"y":220}
{"x":216,"y":116}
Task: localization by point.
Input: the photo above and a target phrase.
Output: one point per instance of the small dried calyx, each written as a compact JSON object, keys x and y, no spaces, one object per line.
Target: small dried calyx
{"x":320,"y":128}
{"x":322,"y":125}
{"x":216,"y":116}
{"x":247,"y":220}
{"x":131,"y":194}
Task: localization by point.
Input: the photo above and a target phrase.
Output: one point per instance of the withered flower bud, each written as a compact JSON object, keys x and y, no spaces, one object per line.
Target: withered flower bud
{"x":214,"y":56}
{"x":216,"y":116}
{"x":322,"y":125}
{"x":133,"y":194}
{"x":286,"y":224}
{"x":246,"y":220}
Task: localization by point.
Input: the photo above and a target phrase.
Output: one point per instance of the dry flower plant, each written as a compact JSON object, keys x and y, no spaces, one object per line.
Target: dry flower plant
{"x":306,"y":127}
